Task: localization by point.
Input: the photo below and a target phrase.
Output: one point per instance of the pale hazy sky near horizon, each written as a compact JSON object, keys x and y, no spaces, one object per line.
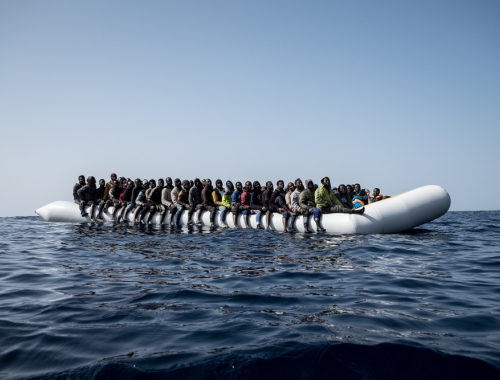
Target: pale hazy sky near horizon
{"x":389,"y":94}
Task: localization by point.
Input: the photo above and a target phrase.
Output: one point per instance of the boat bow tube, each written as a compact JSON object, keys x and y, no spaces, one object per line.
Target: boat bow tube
{"x":395,"y":214}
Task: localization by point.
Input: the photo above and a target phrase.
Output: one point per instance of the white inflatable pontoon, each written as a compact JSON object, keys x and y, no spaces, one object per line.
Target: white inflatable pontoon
{"x":396,"y":214}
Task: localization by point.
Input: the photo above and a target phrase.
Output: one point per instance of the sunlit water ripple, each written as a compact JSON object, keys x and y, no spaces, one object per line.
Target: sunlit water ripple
{"x":104,"y":301}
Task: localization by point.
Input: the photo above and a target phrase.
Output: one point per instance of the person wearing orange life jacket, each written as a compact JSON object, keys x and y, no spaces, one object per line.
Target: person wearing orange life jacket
{"x":375,"y":196}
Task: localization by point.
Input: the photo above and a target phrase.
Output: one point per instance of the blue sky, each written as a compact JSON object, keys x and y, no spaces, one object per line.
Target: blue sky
{"x":389,"y":94}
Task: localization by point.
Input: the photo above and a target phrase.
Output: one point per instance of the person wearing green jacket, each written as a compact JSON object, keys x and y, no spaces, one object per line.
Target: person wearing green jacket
{"x":307,"y":202}
{"x":226,"y":203}
{"x":328,"y":203}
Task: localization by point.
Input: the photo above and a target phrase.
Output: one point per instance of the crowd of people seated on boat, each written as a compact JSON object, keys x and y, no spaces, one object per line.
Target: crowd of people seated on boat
{"x":166,"y":196}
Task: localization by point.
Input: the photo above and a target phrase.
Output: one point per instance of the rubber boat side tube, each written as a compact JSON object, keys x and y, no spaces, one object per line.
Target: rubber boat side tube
{"x":396,"y":214}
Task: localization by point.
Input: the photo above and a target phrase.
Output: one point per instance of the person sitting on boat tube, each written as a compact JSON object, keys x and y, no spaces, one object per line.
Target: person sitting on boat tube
{"x":154,"y":201}
{"x":78,"y":186}
{"x":307,"y":201}
{"x":99,"y":192}
{"x":375,"y":196}
{"x":327,"y":202}
{"x":195,"y":202}
{"x":246,"y":203}
{"x":151,"y":204}
{"x":226,"y":202}
{"x":135,"y":192}
{"x":217,"y":201}
{"x":125,"y":198}
{"x":166,"y":198}
{"x":278,"y":199}
{"x":174,"y":195}
{"x":268,"y":207}
{"x":256,"y":202}
{"x":105,"y":203}
{"x":180,"y":199}
{"x":350,"y":190}
{"x":288,"y":200}
{"x":343,"y":196}
{"x":290,"y":188}
{"x":87,"y":196}
{"x":207,"y":202}
{"x":142,"y":202}
{"x":236,"y":206}
{"x":109,"y":185}
{"x":361,"y":193}
{"x":295,"y":205}
{"x":114,"y":197}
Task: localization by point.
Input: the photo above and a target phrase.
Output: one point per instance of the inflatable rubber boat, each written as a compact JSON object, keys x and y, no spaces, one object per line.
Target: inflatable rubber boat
{"x":395,"y":214}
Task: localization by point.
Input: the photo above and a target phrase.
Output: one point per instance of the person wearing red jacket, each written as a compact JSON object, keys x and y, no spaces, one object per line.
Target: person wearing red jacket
{"x":246,"y":198}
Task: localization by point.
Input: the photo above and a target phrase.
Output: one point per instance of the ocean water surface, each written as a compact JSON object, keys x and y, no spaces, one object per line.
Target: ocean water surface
{"x":98,"y":301}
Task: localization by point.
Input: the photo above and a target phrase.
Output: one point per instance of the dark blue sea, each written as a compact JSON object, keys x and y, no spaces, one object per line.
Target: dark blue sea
{"x":114,"y":301}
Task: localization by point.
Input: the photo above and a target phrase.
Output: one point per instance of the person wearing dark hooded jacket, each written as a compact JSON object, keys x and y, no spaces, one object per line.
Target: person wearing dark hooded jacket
{"x":343,"y":196}
{"x":99,"y":192}
{"x":256,"y":202}
{"x":195,"y":202}
{"x":155,"y":203}
{"x":350,"y":190}
{"x":268,"y":207}
{"x":207,"y":202}
{"x":114,"y":197}
{"x":86,"y":195}
{"x":142,"y":202}
{"x":106,"y":202}
{"x":135,"y":192}
{"x":307,"y":201}
{"x":278,"y":198}
{"x":78,"y":186}
{"x":180,"y":199}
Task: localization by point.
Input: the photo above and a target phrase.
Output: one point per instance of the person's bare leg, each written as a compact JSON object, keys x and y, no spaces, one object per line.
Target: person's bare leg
{"x":268,"y":221}
{"x":285,"y":220}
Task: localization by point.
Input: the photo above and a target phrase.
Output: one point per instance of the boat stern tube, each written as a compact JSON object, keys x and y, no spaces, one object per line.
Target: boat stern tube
{"x":405,"y":211}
